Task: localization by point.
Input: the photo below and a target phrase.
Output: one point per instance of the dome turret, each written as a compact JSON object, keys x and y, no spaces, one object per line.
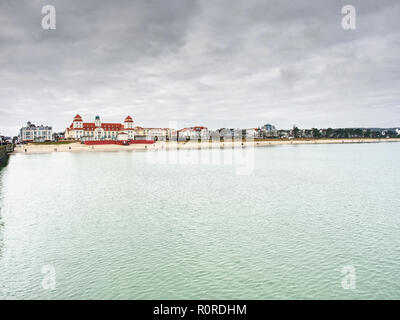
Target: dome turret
{"x":97,"y":121}
{"x":128,"y":122}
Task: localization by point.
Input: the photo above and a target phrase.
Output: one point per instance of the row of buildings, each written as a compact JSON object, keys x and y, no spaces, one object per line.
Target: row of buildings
{"x":97,"y":130}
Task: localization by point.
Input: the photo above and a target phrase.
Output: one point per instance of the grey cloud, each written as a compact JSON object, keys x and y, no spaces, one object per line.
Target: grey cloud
{"x":221,"y":63}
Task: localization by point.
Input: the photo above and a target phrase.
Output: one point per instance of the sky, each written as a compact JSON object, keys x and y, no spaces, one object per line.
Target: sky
{"x":180,"y":63}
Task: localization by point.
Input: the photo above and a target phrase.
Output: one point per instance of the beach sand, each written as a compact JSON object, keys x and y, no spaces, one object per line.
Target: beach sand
{"x":78,"y":147}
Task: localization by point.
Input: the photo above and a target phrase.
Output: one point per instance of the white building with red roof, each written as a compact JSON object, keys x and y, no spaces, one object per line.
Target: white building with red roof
{"x":89,"y":131}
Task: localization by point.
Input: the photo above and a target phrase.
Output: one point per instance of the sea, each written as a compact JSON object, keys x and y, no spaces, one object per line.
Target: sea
{"x":276,"y":222}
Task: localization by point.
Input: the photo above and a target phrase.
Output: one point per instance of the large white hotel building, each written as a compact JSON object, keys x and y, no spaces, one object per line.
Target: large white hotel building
{"x":88,"y":131}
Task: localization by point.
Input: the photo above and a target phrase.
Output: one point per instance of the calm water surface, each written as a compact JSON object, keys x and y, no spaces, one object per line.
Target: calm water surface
{"x":116,"y":225}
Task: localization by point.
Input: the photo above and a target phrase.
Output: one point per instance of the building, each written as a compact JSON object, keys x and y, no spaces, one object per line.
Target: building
{"x":5,"y":140}
{"x":284,"y":134}
{"x":252,"y":133}
{"x":33,"y":133}
{"x":90,"y":131}
{"x":237,"y":133}
{"x":156,"y":134}
{"x":193,"y":133}
{"x":58,"y":136}
{"x":268,"y":127}
{"x":269,"y":131}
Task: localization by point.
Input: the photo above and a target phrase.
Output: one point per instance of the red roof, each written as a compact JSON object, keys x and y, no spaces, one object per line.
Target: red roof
{"x":112,"y":126}
{"x":196,"y":128}
{"x":128,"y":119}
{"x":90,"y":126}
{"x":78,"y":118}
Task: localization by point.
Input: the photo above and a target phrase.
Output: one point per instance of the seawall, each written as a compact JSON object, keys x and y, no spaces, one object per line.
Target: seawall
{"x":4,"y":150}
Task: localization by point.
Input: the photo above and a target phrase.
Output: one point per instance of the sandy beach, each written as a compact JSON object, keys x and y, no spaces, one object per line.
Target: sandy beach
{"x":78,"y":147}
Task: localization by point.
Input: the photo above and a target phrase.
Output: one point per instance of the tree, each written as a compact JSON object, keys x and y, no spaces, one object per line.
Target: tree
{"x":358,"y":132}
{"x":296,"y":132}
{"x":391,"y":133}
{"x":329,"y":132}
{"x":316,"y":133}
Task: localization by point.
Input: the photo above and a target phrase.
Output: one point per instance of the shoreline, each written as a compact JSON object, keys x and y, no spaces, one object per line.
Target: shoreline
{"x":173,"y":145}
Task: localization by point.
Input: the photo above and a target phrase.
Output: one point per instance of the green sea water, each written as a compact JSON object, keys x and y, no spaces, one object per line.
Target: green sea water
{"x":118,"y":225}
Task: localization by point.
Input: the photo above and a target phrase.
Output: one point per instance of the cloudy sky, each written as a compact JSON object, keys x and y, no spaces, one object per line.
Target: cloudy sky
{"x":224,"y":63}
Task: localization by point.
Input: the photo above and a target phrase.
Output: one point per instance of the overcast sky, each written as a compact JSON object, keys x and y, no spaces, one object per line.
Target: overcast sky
{"x":223,"y":63}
